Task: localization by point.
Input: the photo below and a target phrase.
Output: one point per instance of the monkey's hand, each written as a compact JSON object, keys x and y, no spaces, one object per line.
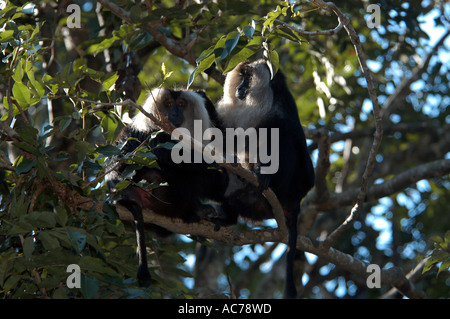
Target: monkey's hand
{"x":220,"y":218}
{"x":219,"y":221}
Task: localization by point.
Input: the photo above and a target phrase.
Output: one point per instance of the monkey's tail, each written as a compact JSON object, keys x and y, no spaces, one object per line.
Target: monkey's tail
{"x":143,"y":275}
{"x":290,"y":291}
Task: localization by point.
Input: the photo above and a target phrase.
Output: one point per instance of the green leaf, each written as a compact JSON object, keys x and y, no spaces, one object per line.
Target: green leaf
{"x":24,"y":166}
{"x":271,"y":17}
{"x":109,"y":79}
{"x":290,"y":35}
{"x":42,"y":169}
{"x":206,"y":53}
{"x":41,"y":219}
{"x":249,"y":30}
{"x":22,"y":94}
{"x":84,"y":147}
{"x":6,"y":35}
{"x":28,"y":134}
{"x":250,"y":49}
{"x":231,"y":41}
{"x":122,"y":185}
{"x":275,"y":62}
{"x":18,"y":72}
{"x":62,"y":236}
{"x":61,"y":215}
{"x":64,"y":123}
{"x":28,"y":247}
{"x":48,"y":241}
{"x":95,"y":264}
{"x":204,"y":64}
{"x":102,"y":46}
{"x":78,"y":240}
{"x":19,"y":204}
{"x":37,"y":86}
{"x":108,"y":150}
{"x":20,"y":228}
{"x":444,"y":266}
{"x":89,"y":286}
{"x":220,"y":52}
{"x":11,"y":282}
{"x":437,"y":239}
{"x":24,"y":146}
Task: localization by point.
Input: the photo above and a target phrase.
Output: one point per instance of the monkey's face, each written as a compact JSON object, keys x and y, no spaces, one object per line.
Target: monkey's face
{"x":245,"y":77}
{"x":174,"y":109}
{"x":180,"y":107}
{"x":253,"y":75}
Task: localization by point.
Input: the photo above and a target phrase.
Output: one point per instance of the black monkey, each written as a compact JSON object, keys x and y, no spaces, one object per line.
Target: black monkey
{"x":252,"y":99}
{"x":186,"y":185}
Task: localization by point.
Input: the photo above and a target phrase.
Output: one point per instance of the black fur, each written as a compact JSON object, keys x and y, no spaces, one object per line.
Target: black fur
{"x":295,"y":176}
{"x":188,"y":184}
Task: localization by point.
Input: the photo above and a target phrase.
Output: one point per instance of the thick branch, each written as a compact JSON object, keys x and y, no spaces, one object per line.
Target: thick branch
{"x":427,"y":127}
{"x":434,"y":169}
{"x":204,"y":228}
{"x":230,"y":236}
{"x":412,"y":276}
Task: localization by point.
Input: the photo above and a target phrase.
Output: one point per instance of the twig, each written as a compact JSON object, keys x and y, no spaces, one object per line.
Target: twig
{"x":320,"y":191}
{"x":8,"y":93}
{"x":38,"y":280}
{"x":329,"y":6}
{"x":311,"y":33}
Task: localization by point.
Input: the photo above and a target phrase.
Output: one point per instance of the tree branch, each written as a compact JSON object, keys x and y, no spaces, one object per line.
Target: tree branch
{"x":320,"y":192}
{"x":311,"y":33}
{"x":412,"y":276}
{"x":329,"y":6}
{"x":401,"y":181}
{"x":388,"y":129}
{"x":393,"y":276}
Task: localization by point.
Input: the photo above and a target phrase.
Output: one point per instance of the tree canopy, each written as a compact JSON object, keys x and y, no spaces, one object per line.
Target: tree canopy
{"x":371,"y":87}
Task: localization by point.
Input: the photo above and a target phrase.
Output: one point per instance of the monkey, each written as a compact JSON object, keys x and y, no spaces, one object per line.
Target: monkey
{"x":187,"y":190}
{"x":253,"y":99}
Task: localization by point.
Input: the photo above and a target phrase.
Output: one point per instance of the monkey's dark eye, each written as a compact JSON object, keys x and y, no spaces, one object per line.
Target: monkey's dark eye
{"x":181,"y":103}
{"x":168,"y":103}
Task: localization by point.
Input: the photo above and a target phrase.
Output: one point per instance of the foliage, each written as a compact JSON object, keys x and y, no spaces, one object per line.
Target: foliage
{"x":54,"y":143}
